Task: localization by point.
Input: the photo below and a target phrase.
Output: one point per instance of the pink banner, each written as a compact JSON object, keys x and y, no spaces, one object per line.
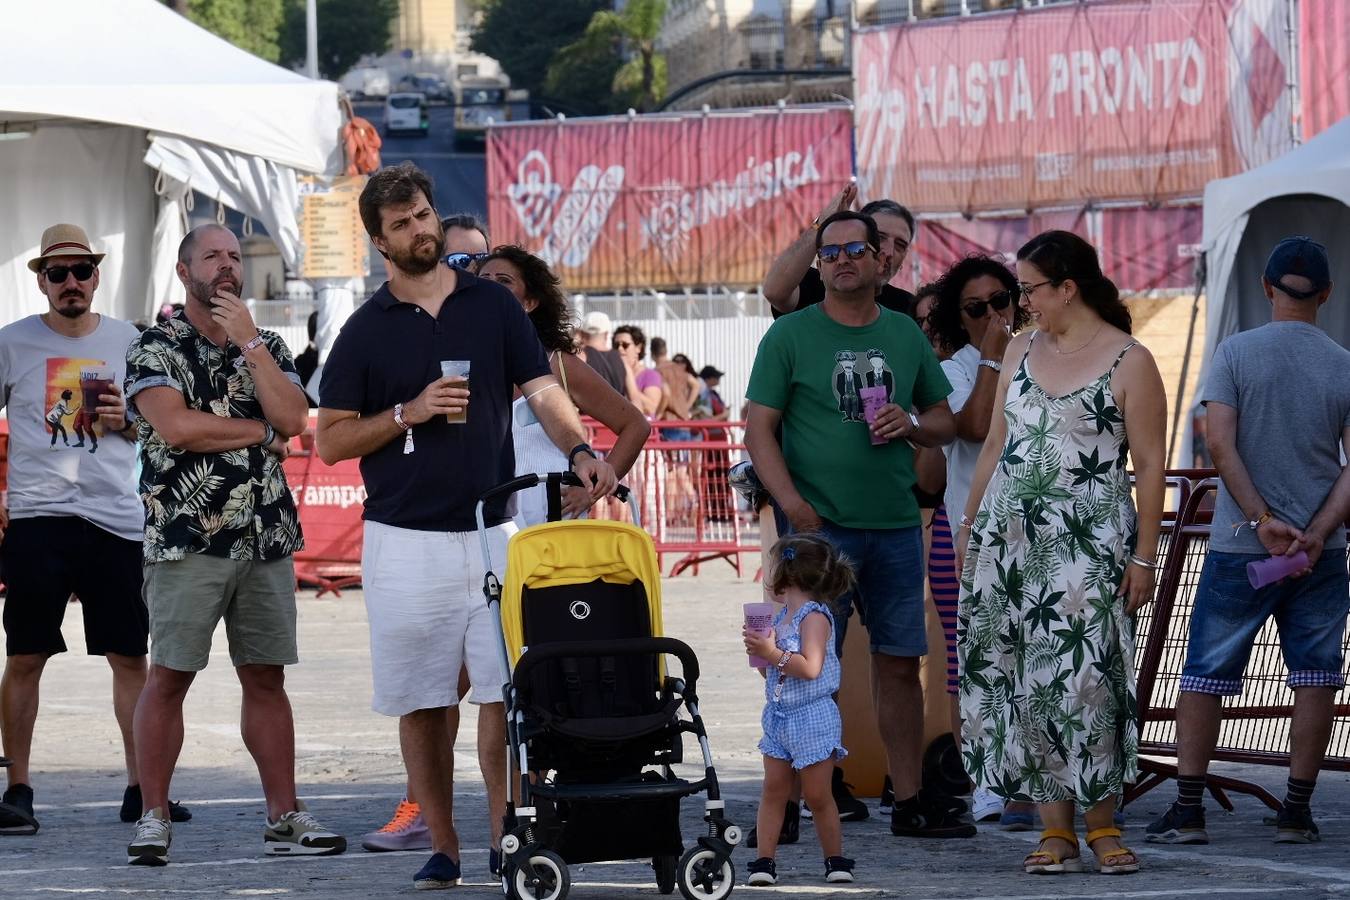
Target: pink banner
{"x":1324,"y":63}
{"x":1070,"y":104}
{"x":1141,"y":249}
{"x":665,"y":201}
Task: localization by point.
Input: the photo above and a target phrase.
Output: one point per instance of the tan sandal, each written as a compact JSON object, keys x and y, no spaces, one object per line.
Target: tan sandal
{"x":1110,"y":863}
{"x":1047,"y":862}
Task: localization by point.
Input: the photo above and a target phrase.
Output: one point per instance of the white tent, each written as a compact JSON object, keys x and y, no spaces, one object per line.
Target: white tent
{"x":1306,"y":191}
{"x":113,"y":111}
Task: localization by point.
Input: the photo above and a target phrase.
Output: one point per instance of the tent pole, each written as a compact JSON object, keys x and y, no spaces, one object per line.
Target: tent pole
{"x":312,"y":38}
{"x":1291,"y":35}
{"x":1201,"y":276}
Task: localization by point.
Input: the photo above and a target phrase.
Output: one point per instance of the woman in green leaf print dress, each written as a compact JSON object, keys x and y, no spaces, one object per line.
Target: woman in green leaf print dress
{"x":1056,"y":560}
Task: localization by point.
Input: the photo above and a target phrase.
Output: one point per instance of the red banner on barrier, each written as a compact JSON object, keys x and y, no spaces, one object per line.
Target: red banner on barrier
{"x":665,"y":201}
{"x":1063,"y":105}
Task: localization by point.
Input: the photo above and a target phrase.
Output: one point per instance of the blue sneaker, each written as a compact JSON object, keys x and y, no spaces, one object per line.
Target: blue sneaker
{"x":1011,"y":820}
{"x":1179,"y":825}
{"x":439,"y":873}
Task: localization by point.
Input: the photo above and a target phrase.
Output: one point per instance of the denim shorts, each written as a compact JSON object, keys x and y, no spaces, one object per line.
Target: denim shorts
{"x":1310,"y":613}
{"x":889,"y":566}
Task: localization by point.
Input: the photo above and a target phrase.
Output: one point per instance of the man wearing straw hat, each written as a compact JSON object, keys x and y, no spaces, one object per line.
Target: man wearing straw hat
{"x":74,"y":523}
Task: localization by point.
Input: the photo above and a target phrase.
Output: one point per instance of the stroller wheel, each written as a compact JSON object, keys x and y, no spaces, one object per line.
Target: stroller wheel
{"x":665,"y":867}
{"x":705,"y":875}
{"x":553,"y":884}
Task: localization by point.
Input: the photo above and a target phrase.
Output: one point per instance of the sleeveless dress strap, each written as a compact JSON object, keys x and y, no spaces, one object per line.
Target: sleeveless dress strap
{"x":1120,"y":356}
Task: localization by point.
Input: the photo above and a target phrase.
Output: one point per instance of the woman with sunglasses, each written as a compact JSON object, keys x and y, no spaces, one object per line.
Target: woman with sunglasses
{"x":536,"y":287}
{"x":972,"y":320}
{"x":1058,"y":561}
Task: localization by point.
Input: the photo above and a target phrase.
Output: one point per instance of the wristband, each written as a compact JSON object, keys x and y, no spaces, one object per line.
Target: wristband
{"x":782,"y":662}
{"x":253,"y":344}
{"x":398,"y":418}
{"x":579,"y":448}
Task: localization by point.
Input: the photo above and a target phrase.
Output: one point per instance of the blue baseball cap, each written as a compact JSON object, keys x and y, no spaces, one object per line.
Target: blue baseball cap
{"x":1299,"y":255}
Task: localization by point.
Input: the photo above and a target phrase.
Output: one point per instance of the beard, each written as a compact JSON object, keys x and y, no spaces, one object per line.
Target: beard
{"x":421,"y":257}
{"x":71,"y":310}
{"x":203,"y":291}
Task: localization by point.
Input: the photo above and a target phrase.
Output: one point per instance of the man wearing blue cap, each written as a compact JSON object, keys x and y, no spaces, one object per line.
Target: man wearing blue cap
{"x":1278,"y":405}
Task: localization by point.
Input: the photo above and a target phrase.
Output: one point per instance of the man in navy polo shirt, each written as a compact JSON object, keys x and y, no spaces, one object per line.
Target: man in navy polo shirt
{"x":383,"y":399}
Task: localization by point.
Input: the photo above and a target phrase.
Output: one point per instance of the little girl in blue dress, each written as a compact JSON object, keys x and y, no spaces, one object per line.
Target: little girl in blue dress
{"x":802,"y":730}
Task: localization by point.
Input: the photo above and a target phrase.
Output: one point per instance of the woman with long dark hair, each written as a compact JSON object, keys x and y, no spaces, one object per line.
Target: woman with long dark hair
{"x":1057,"y":561}
{"x":536,"y":287}
{"x":973,"y":317}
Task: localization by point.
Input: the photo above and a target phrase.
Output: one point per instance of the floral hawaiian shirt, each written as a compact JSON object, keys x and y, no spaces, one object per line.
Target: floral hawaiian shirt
{"x":235,"y":503}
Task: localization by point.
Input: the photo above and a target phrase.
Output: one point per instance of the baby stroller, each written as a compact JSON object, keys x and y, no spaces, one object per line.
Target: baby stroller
{"x":592,"y":717}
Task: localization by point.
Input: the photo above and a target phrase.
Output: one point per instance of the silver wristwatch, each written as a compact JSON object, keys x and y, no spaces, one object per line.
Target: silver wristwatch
{"x":992,"y":364}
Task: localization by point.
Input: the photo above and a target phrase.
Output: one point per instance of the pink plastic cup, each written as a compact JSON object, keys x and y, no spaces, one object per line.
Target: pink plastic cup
{"x":873,"y":399}
{"x":1269,"y":571}
{"x":759,"y":618}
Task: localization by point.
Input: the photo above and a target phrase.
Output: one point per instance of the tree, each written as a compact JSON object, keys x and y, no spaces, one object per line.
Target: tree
{"x":251,"y":25}
{"x":640,"y":81}
{"x":525,"y":35}
{"x":348,"y":30}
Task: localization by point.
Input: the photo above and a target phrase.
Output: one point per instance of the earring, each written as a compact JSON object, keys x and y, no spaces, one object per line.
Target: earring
{"x":1066,"y":302}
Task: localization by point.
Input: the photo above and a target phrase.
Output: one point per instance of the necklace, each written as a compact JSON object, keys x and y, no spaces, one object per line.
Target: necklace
{"x":1076,"y":349}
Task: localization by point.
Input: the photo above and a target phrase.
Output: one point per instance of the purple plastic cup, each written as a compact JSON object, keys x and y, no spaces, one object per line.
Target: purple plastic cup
{"x":759,"y":618}
{"x":873,"y":398}
{"x":1269,"y":571}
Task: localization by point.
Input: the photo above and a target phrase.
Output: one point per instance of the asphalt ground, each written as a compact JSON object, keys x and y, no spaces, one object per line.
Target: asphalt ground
{"x":351,"y":776}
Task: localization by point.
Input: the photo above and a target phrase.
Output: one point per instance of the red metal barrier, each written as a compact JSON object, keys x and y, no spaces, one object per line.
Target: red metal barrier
{"x":685,"y":501}
{"x":681,"y":486}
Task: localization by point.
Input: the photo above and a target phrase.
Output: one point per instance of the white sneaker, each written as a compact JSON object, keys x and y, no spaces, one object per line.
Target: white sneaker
{"x":986,"y":805}
{"x":150,"y":845}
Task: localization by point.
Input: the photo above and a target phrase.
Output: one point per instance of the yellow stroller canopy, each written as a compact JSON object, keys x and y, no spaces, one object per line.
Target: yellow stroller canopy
{"x":576,"y":552}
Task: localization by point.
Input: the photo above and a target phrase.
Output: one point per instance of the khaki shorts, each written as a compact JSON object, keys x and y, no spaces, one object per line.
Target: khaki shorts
{"x":188,"y":597}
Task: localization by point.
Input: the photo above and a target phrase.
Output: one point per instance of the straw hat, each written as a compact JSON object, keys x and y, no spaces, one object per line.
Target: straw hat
{"x":64,"y":240}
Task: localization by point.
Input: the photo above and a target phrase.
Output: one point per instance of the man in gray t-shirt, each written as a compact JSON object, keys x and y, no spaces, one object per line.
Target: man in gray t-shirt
{"x":1278,"y":409}
{"x":74,"y":523}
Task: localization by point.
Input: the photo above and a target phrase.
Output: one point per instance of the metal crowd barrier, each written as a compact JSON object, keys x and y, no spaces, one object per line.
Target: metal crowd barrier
{"x":680,"y":479}
{"x":1255,"y":726}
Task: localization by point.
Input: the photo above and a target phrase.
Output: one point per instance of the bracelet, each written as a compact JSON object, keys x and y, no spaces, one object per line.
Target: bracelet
{"x":253,"y":344}
{"x":269,"y":434}
{"x":966,"y":521}
{"x":992,"y":364}
{"x":398,"y":417}
{"x":1140,"y":561}
{"x":787,"y":655}
{"x":1254,"y":523}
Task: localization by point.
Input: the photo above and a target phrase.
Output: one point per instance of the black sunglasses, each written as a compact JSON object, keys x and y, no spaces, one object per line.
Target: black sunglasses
{"x":464,"y":260}
{"x":853,"y":250}
{"x":57,"y":274}
{"x":978,"y":308}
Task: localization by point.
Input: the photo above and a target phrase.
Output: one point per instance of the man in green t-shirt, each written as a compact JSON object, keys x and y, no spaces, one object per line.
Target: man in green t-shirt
{"x":814,"y":375}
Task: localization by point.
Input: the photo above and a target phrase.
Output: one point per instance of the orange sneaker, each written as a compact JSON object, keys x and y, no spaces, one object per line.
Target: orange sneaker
{"x":405,"y":831}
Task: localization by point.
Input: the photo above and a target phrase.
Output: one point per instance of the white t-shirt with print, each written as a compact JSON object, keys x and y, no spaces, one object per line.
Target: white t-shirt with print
{"x":57,"y":467}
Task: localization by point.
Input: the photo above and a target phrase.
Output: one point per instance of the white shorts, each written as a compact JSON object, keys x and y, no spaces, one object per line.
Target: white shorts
{"x":428,"y":616}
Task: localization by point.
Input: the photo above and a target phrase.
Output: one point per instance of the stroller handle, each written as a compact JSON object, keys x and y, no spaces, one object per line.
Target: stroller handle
{"x":529,"y":480}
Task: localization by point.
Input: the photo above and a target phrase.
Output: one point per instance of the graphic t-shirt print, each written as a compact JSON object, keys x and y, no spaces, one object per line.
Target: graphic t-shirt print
{"x":858,"y":374}
{"x":71,"y":402}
